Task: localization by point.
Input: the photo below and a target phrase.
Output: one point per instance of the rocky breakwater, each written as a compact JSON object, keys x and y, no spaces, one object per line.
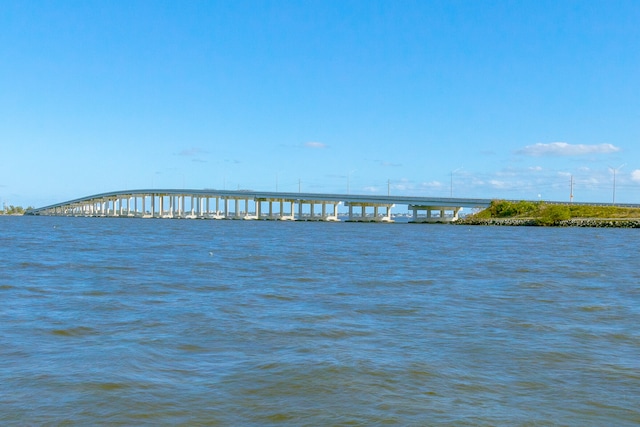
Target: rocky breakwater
{"x":573,"y":222}
{"x":601,"y":222}
{"x":495,"y":221}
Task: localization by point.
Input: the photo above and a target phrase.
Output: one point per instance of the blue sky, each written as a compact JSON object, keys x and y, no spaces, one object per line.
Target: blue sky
{"x":476,"y":99}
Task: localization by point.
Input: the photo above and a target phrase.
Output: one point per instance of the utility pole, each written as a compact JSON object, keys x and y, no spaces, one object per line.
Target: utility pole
{"x":614,"y":181}
{"x":571,"y":192}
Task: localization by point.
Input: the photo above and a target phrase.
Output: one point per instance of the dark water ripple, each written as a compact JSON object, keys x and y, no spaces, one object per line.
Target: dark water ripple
{"x":160,"y":322}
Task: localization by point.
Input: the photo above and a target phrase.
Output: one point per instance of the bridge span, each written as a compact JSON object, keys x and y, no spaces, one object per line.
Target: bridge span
{"x":257,"y":205}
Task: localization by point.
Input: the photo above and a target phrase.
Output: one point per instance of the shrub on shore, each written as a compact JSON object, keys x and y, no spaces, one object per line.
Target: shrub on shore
{"x":550,"y":214}
{"x":13,"y":210}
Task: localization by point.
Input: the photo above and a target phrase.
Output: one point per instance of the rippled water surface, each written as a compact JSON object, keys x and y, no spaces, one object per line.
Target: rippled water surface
{"x":165,"y":322}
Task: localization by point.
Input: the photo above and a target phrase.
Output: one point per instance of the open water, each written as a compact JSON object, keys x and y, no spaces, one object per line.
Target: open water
{"x":184,"y":322}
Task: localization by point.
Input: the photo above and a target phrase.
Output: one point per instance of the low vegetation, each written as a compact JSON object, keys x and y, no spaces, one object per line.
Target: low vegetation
{"x":542,"y":213}
{"x":13,"y":210}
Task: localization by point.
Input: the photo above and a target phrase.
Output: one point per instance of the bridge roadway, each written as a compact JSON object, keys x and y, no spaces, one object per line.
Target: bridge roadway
{"x":247,"y":204}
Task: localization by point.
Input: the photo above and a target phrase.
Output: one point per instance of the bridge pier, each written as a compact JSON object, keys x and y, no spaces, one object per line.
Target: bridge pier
{"x":364,"y":217}
{"x":444,"y":214}
{"x":281,"y":215}
{"x":324,"y":215}
{"x":237,"y":213}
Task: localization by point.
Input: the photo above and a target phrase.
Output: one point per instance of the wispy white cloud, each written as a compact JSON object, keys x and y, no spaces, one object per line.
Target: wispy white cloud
{"x":635,"y":175}
{"x":495,"y":183}
{"x":431,"y":185}
{"x":476,"y":181}
{"x":402,"y":187}
{"x":402,"y":184}
{"x":590,"y":181}
{"x":315,"y":144}
{"x":508,"y":172}
{"x":566,"y":149}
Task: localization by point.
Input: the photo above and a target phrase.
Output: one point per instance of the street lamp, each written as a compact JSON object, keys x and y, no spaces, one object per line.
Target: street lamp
{"x":614,"y":181}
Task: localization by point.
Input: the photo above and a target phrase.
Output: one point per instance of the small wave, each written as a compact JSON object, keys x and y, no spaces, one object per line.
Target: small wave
{"x":590,"y":308}
{"x":74,"y":332}
{"x":278,"y":297}
{"x":191,"y":348}
{"x":107,"y":386}
{"x":305,"y":279}
{"x":420,"y":282}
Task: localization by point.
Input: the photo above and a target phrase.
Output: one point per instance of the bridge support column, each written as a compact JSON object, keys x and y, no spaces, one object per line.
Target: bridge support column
{"x":445,"y":214}
{"x":376,"y":217}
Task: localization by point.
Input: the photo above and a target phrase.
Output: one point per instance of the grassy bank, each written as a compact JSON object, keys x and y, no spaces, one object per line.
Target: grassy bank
{"x":545,"y":214}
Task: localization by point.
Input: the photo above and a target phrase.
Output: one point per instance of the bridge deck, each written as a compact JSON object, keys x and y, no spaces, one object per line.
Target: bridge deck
{"x":248,"y":204}
{"x":183,"y":203}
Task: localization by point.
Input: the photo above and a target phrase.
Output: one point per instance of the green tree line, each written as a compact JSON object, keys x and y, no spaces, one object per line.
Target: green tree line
{"x":14,"y":210}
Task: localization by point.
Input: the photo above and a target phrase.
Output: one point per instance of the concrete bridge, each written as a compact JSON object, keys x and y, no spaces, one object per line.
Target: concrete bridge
{"x":257,"y":205}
